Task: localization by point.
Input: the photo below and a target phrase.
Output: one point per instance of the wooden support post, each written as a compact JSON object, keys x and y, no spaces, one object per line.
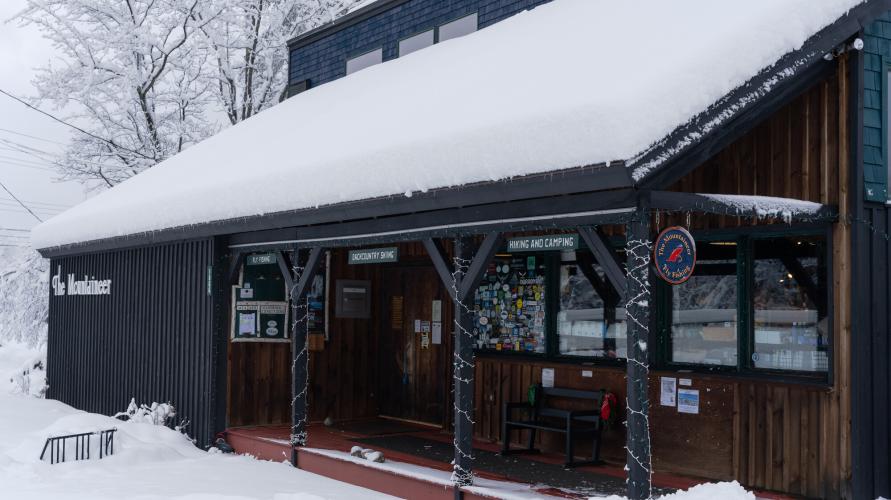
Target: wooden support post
{"x":638,"y":250}
{"x":463,"y":366}
{"x":300,"y":347}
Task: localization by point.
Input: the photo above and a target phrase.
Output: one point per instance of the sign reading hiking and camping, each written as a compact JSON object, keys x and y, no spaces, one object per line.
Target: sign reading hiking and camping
{"x":539,"y":243}
{"x":70,"y":285}
{"x":374,"y":255}
{"x":674,"y":254}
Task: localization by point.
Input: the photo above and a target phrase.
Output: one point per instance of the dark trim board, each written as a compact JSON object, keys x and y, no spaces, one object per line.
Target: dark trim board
{"x":565,"y":182}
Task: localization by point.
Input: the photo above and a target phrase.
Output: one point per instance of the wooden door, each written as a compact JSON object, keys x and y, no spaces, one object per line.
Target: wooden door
{"x":413,"y":380}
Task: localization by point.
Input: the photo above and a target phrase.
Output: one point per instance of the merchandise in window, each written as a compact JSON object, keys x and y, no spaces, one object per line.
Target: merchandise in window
{"x":704,"y":315}
{"x":790,"y":302}
{"x":589,"y":324}
{"x":510,"y":305}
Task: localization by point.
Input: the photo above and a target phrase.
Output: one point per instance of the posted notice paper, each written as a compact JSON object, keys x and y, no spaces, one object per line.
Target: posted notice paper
{"x":669,"y":391}
{"x":688,"y":401}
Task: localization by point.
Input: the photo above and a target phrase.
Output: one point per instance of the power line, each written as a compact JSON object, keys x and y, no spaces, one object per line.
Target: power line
{"x":35,"y":202}
{"x":16,"y":198}
{"x":17,"y":229}
{"x":31,"y":136}
{"x":75,"y":127}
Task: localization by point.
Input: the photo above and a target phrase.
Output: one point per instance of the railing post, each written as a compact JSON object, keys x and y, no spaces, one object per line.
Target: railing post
{"x":638,"y":249}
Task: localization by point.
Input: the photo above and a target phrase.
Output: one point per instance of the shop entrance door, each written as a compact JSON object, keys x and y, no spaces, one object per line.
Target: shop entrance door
{"x":413,"y":355}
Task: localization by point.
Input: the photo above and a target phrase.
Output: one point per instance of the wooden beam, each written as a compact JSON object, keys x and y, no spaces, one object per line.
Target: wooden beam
{"x":479,"y":263}
{"x":285,"y":269}
{"x":440,"y":261}
{"x":606,"y":292}
{"x":234,"y":266}
{"x":309,"y":271}
{"x":606,"y":257}
{"x":463,"y":374}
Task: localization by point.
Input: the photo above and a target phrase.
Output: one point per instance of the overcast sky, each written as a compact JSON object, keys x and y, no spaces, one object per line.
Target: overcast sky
{"x":21,"y":50}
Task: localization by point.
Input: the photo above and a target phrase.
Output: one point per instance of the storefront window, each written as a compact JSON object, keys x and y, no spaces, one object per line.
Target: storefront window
{"x":510,"y":305}
{"x":790,"y":305}
{"x":704,"y":315}
{"x":588,"y":324}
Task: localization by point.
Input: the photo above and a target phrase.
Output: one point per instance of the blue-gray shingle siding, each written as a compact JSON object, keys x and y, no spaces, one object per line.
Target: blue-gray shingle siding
{"x":325,"y":59}
{"x":876,"y":64}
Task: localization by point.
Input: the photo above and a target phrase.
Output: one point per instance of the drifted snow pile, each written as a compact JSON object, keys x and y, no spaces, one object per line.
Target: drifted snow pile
{"x":484,"y":107}
{"x":149,"y":462}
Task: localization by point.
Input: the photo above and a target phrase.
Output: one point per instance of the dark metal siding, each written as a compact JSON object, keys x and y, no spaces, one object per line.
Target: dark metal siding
{"x":152,"y":339}
{"x":871,"y":424}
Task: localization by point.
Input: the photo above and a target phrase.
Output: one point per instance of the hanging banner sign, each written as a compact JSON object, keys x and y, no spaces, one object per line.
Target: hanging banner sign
{"x":374,"y":255}
{"x":261,"y":259}
{"x":674,"y":253}
{"x":540,"y":243}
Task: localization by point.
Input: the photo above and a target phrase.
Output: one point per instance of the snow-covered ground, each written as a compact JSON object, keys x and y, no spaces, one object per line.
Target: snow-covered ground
{"x":149,"y":461}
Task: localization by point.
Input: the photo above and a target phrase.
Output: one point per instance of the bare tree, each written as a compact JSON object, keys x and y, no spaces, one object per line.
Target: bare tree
{"x":130,"y":73}
{"x":249,"y":46}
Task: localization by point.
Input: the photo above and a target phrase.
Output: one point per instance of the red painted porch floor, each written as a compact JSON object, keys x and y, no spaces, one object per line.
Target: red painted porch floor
{"x":416,"y":475}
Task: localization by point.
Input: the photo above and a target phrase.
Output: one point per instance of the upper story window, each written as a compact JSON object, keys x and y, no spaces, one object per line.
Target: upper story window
{"x":365,"y":60}
{"x":459,"y":27}
{"x":415,"y":43}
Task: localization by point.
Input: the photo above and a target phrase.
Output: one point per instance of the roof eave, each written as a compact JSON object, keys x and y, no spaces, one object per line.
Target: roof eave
{"x":688,"y":145}
{"x":594,"y":178}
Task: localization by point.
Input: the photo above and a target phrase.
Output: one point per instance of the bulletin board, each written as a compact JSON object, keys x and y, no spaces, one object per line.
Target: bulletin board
{"x":260,"y":311}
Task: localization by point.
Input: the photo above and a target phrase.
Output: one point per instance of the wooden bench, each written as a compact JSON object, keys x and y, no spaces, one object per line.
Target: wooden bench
{"x":543,"y":416}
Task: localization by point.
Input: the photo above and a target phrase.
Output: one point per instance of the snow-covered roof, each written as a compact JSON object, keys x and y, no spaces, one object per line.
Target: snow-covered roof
{"x":571,"y":83}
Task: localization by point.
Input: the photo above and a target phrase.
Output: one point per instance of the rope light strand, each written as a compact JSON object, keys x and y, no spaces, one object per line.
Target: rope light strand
{"x":301,"y":360}
{"x":460,"y":475}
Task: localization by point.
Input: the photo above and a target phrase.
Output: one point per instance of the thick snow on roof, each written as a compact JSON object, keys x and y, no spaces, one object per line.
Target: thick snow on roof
{"x":570,"y":83}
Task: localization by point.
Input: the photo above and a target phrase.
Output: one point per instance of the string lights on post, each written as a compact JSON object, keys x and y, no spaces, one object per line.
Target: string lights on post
{"x":462,"y":371}
{"x":300,"y":363}
{"x":638,"y":248}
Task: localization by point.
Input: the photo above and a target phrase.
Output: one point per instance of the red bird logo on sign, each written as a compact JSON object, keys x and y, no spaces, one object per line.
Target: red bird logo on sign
{"x":676,"y":254}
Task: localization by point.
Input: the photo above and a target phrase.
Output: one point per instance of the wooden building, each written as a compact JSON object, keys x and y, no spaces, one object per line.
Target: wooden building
{"x":767,"y":365}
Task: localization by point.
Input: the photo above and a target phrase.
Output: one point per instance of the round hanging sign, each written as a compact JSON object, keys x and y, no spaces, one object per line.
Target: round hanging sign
{"x":675,"y":255}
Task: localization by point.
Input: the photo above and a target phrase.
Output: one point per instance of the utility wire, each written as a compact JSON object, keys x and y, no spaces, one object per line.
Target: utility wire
{"x":31,"y":136}
{"x":75,"y":127}
{"x":16,"y":198}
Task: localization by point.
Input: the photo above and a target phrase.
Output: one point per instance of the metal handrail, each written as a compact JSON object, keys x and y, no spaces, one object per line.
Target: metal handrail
{"x":57,"y":445}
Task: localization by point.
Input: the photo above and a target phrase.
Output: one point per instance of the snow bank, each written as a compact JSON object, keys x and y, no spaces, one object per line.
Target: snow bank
{"x":564,"y":85}
{"x":711,"y":491}
{"x":150,"y":462}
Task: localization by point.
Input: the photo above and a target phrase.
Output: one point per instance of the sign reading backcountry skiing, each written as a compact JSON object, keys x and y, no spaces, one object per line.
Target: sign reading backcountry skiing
{"x":374,"y":255}
{"x":89,"y":285}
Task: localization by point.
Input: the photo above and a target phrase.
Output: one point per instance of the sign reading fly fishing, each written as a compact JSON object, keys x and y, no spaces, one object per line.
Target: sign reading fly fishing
{"x":674,"y":253}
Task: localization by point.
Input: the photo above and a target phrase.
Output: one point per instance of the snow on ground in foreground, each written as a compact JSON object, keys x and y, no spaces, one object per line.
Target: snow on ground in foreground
{"x":150,"y":462}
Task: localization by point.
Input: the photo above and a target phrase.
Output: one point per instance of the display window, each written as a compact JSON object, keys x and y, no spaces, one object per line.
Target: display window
{"x":754,"y":304}
{"x":790,"y":303}
{"x":510,"y":305}
{"x":704,"y":309}
{"x":589,"y":323}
